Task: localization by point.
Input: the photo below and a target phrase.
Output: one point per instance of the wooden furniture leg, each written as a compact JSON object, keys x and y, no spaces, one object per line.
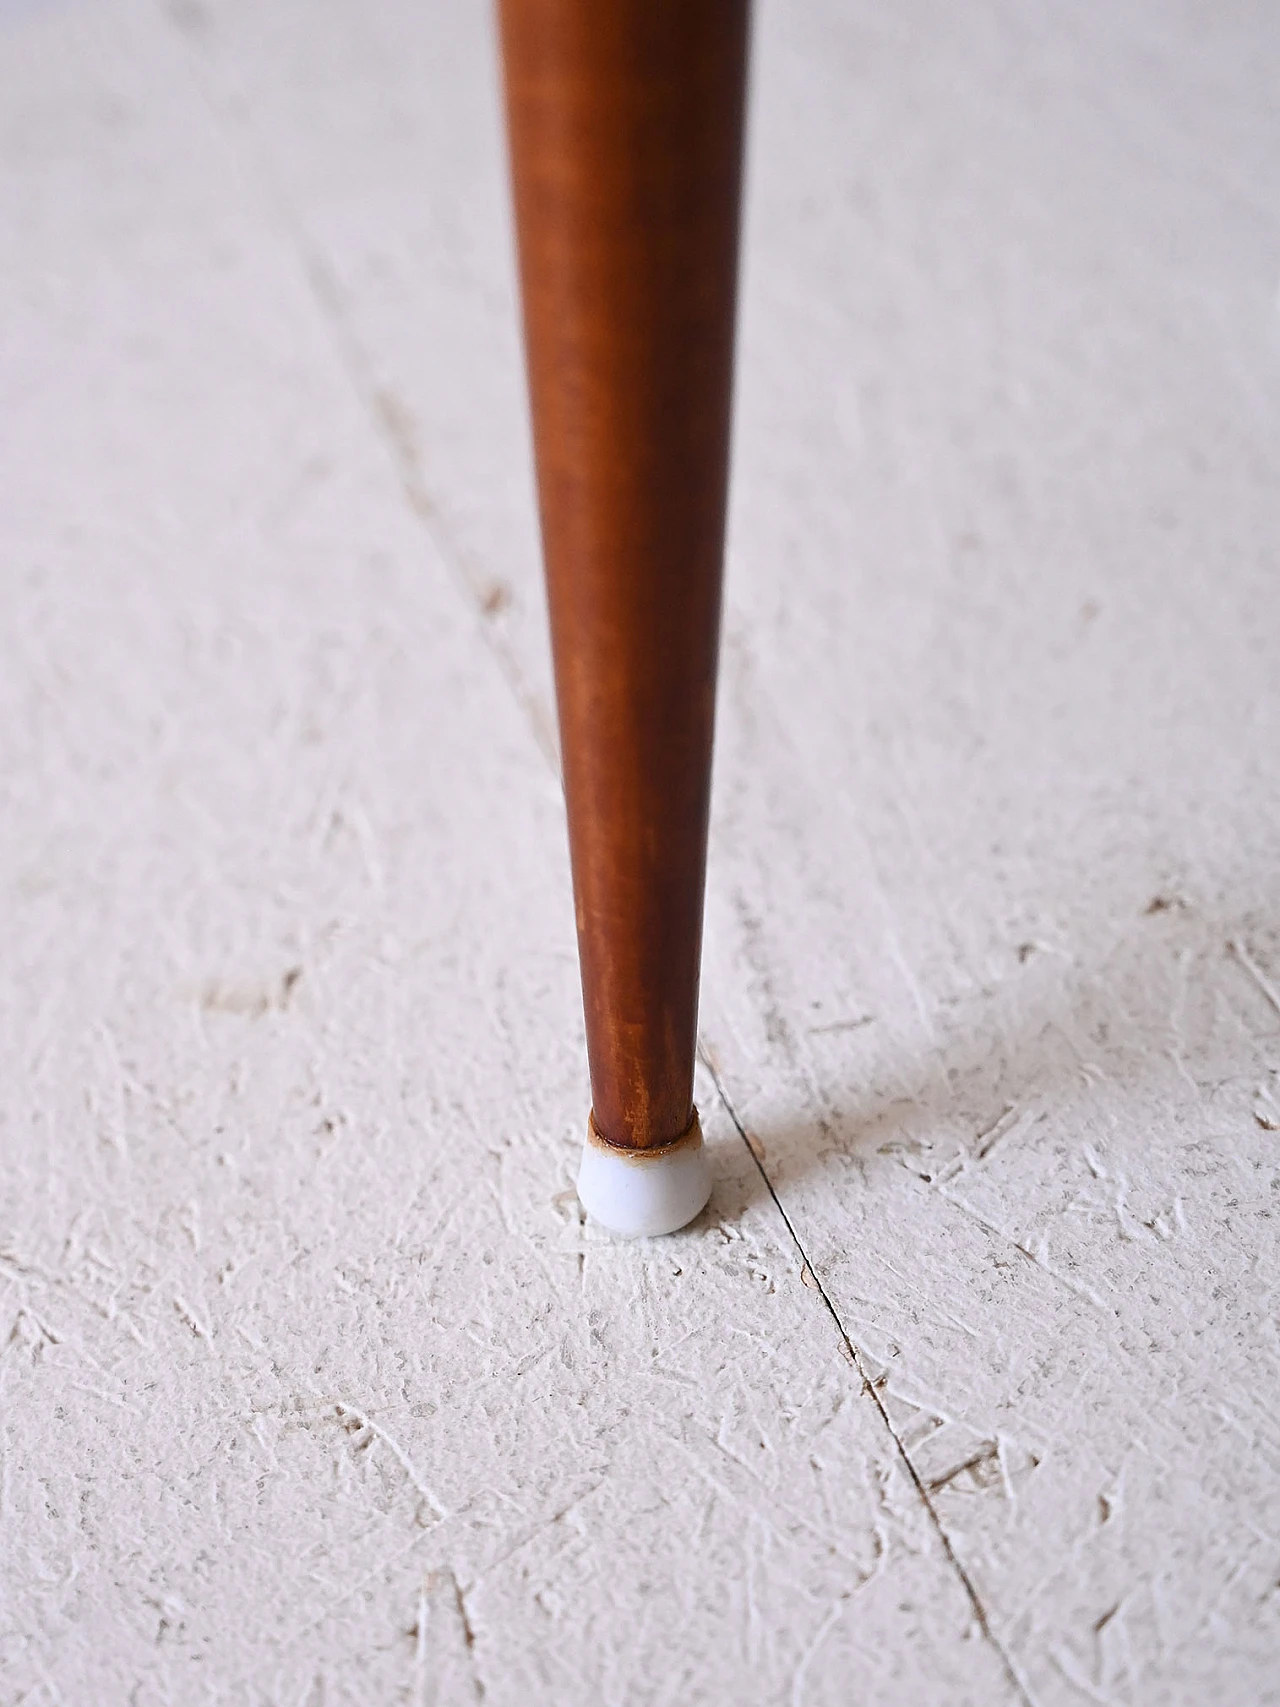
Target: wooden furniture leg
{"x":625,"y":121}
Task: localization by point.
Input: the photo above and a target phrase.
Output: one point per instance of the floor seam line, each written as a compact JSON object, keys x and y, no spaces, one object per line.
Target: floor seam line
{"x":345,"y":344}
{"x":356,"y":365}
{"x":855,"y":1354}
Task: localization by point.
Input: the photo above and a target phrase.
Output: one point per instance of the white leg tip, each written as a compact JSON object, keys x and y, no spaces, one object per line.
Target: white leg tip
{"x":641,"y":1193}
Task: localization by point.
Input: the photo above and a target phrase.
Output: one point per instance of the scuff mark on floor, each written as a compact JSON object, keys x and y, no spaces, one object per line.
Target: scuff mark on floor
{"x":445,"y":1641}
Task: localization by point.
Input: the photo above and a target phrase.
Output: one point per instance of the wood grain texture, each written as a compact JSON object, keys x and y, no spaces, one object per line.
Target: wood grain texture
{"x":626,"y":143}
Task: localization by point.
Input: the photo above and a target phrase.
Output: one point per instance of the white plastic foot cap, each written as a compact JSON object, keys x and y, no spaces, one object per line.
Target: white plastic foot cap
{"x":641,"y":1193}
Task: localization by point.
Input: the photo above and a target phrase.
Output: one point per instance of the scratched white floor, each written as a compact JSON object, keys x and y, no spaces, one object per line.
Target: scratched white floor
{"x":313,"y":1387}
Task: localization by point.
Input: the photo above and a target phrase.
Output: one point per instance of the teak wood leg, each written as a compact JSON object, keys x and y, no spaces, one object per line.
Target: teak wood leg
{"x":626,"y":120}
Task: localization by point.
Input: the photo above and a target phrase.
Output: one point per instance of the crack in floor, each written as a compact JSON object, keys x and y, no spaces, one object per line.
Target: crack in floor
{"x":382,"y":410}
{"x":855,"y":1356}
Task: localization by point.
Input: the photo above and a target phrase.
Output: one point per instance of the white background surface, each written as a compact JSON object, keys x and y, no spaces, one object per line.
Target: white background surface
{"x":313,"y":1386}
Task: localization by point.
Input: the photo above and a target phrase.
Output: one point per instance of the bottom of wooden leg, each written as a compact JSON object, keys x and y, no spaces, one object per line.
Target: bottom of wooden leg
{"x":642,"y":1193}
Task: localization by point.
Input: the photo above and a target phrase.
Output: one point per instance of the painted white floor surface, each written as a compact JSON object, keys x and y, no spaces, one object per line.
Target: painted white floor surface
{"x":314,"y":1388}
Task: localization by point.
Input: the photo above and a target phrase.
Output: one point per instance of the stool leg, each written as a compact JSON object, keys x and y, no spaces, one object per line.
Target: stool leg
{"x":625,"y":121}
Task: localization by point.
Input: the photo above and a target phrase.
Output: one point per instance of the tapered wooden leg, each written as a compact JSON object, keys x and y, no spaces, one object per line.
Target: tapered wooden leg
{"x":626,"y":121}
